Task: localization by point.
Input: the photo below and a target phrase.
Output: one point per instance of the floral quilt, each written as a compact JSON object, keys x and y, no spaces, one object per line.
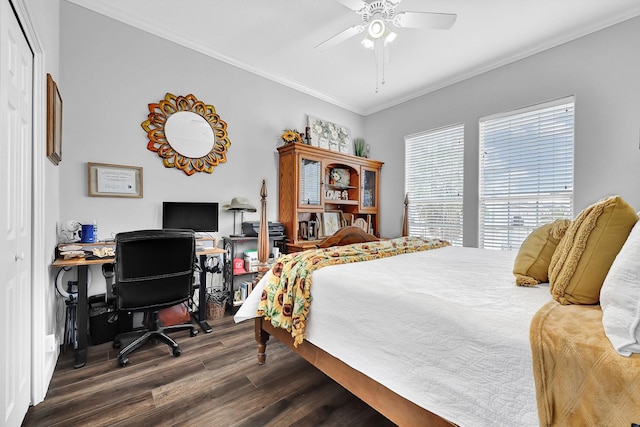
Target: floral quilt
{"x":286,"y":297}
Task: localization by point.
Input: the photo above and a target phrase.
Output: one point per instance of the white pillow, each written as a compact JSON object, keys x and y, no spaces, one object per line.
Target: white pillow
{"x":620,"y":297}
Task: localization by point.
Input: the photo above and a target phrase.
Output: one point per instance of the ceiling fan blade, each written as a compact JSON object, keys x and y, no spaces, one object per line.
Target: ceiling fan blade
{"x":436,"y":21}
{"x":340,"y":37}
{"x":353,"y":4}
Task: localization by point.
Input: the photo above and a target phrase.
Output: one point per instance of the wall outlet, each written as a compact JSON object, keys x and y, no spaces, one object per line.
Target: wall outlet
{"x":50,"y":343}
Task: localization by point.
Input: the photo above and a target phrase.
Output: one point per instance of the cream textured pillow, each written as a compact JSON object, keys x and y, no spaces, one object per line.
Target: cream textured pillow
{"x":587,"y":250}
{"x":532,"y":262}
{"x":620,"y":297}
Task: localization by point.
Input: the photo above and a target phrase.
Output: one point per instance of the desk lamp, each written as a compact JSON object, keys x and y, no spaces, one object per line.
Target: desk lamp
{"x":238,"y":204}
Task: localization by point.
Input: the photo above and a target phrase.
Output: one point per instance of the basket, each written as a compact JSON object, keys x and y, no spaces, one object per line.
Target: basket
{"x":214,"y":311}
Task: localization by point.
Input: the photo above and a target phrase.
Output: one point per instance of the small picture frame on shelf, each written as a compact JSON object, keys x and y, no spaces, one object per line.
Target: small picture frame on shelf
{"x":331,"y":222}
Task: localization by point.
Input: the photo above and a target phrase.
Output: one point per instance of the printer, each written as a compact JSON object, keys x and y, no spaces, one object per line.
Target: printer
{"x":251,"y":228}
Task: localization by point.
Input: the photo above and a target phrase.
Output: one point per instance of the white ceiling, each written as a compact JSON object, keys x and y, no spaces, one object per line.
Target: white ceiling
{"x":276,"y":39}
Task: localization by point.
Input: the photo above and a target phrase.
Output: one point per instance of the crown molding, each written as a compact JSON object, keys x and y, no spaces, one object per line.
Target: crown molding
{"x":106,"y":9}
{"x":550,"y":44}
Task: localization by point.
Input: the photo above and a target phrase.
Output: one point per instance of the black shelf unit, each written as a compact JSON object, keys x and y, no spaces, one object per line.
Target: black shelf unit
{"x":234,"y":247}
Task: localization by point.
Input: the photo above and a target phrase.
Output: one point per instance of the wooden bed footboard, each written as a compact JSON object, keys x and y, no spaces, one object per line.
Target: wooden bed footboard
{"x":393,"y":406}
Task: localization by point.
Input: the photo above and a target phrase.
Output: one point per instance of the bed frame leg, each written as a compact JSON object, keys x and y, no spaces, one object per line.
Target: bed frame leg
{"x":261,"y":337}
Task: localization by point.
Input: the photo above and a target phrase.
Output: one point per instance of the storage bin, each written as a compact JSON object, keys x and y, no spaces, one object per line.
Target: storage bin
{"x":214,"y":311}
{"x":103,"y":324}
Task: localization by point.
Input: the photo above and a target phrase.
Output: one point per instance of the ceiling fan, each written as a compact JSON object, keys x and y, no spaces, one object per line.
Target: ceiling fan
{"x":379,"y":15}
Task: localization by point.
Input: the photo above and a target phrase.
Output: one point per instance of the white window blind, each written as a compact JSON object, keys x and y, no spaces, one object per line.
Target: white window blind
{"x":526,"y":172}
{"x":433,"y":181}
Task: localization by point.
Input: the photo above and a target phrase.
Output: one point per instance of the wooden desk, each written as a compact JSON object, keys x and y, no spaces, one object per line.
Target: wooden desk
{"x":83,"y":308}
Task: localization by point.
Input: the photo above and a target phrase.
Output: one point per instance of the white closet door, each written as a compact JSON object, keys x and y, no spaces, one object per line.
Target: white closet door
{"x":16,"y":105}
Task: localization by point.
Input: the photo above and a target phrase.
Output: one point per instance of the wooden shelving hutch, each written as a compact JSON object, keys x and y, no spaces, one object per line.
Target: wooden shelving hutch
{"x":307,"y":190}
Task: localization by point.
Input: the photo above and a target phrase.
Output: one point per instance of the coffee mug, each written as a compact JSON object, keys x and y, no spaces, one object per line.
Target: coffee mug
{"x":87,"y":233}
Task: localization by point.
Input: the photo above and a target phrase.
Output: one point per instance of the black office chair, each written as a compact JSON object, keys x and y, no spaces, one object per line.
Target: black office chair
{"x":153,"y":270}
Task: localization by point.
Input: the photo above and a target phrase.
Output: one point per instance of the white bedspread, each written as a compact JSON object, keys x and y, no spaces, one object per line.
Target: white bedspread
{"x":446,"y":328}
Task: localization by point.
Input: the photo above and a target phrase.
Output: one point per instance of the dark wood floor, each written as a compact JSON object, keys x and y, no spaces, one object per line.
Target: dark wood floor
{"x":215,"y":382}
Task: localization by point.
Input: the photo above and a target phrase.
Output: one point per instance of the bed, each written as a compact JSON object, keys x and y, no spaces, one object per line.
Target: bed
{"x":441,"y":337}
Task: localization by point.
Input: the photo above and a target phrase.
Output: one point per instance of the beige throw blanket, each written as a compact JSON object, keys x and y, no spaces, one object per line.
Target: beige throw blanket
{"x":580,"y":379}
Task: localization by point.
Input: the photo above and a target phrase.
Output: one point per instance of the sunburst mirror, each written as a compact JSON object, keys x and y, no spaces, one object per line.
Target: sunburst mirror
{"x":187,"y":134}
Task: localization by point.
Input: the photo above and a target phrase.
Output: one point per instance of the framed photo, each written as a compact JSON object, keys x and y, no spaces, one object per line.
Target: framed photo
{"x":54,"y":121}
{"x":330,"y":223}
{"x":105,"y":180}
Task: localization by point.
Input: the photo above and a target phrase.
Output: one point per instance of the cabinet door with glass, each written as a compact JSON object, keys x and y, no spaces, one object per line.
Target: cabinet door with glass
{"x":310,"y":182}
{"x":369,"y":191}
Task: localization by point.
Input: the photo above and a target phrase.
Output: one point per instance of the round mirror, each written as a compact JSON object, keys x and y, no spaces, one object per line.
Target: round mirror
{"x":187,"y":134}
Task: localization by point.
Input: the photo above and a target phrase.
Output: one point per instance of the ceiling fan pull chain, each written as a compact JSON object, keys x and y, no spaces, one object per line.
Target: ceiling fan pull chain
{"x":380,"y":60}
{"x":376,"y":52}
{"x":382,"y":50}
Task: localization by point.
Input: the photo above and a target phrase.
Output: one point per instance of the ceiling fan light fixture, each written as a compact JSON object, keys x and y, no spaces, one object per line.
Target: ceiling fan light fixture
{"x":376,"y":14}
{"x":389,"y":37}
{"x":377,"y":28}
{"x":367,"y":42}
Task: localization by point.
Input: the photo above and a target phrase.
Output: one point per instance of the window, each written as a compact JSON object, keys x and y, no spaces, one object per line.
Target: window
{"x":526,"y":172}
{"x":433,"y":180}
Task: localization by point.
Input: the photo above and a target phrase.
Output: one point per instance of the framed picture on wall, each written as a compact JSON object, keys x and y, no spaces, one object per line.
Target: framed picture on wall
{"x":106,"y":180}
{"x":54,"y":122}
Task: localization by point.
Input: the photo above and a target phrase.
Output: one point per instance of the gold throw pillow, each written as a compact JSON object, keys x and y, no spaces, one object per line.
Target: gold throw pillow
{"x":585,"y":253}
{"x":532,"y":262}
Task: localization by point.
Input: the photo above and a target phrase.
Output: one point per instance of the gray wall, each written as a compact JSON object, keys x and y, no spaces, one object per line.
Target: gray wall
{"x":602,"y":70}
{"x":111,"y":72}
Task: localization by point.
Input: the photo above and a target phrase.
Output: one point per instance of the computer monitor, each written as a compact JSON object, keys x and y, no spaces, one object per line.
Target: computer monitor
{"x":196,"y":216}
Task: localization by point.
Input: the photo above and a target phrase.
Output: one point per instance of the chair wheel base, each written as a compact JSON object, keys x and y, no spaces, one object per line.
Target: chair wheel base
{"x":193,"y":332}
{"x":123,"y":361}
{"x":177,"y":352}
